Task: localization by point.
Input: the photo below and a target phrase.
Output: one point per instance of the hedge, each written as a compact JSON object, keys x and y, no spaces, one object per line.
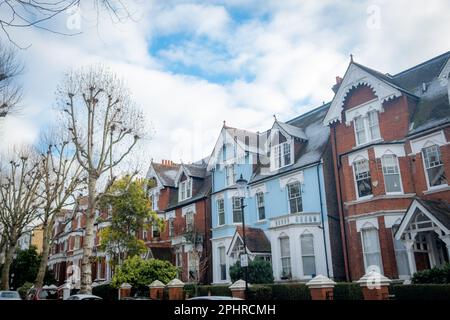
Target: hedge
{"x":437,"y":275}
{"x":106,"y":291}
{"x":421,"y":292}
{"x":290,"y":292}
{"x":219,"y":290}
{"x":347,"y":291}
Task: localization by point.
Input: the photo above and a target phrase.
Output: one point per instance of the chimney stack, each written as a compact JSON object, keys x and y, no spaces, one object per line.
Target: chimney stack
{"x":167,"y":163}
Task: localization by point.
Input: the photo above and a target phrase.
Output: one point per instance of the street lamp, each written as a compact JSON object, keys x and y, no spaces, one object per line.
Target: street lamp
{"x":242,"y":190}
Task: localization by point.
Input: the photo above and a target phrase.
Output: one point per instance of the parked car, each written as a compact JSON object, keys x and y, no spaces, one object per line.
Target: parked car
{"x":44,"y":293}
{"x":214,"y":298}
{"x":10,"y":295}
{"x":84,"y":297}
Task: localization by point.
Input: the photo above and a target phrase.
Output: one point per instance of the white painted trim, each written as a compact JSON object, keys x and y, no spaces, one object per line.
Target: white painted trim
{"x":285,"y":180}
{"x":257,"y":188}
{"x":390,"y":221}
{"x":363,"y":110}
{"x":355,"y":76}
{"x":189,"y":208}
{"x":352,"y":157}
{"x":396,"y":149}
{"x":399,"y":175}
{"x":436,"y":138}
{"x":366,"y":223}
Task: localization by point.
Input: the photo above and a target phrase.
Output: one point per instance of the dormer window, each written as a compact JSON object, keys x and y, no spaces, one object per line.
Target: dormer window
{"x":282,"y":155}
{"x":185,"y":189}
{"x":367,"y":128}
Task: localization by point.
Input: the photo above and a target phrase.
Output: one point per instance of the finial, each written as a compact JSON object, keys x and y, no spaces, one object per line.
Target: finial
{"x":224,"y":123}
{"x":351,"y":57}
{"x":275,"y":117}
{"x":151,"y":160}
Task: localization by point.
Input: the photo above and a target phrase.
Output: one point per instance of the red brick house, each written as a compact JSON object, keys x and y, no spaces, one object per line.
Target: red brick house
{"x":189,"y":223}
{"x":390,"y":138}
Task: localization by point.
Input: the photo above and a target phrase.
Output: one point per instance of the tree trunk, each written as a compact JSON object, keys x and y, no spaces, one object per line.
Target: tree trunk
{"x":7,"y":266}
{"x":86,"y":270}
{"x":39,"y":282}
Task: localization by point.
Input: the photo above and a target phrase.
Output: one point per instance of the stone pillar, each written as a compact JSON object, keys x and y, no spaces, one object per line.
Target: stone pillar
{"x":238,"y":289}
{"x":321,"y":288}
{"x":176,"y":289}
{"x":156,"y":290}
{"x":124,"y":290}
{"x":374,"y":286}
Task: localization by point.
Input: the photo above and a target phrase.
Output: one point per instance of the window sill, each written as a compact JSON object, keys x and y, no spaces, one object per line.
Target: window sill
{"x":261,"y":221}
{"x":366,"y":144}
{"x":380,"y":197}
{"x":431,"y":190}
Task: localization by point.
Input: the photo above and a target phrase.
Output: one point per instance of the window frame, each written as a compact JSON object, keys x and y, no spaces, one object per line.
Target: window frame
{"x":220,"y":213}
{"x":285,"y":258}
{"x":365,"y":229}
{"x":235,"y":200}
{"x":398,"y":173}
{"x":260,"y":204}
{"x":171,"y":225}
{"x":303,"y":255}
{"x":229,"y":183}
{"x":355,"y":181}
{"x":278,"y":155}
{"x":367,"y":128}
{"x":183,"y":188}
{"x":222,"y":263}
{"x":288,"y":186}
{"x":189,"y":221}
{"x":422,"y":151}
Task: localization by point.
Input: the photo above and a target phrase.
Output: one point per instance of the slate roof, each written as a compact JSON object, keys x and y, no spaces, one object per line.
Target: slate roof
{"x":293,"y":131}
{"x":195,"y":170}
{"x":166,"y":173}
{"x":255,"y":239}
{"x":316,"y":136}
{"x":439,"y":209}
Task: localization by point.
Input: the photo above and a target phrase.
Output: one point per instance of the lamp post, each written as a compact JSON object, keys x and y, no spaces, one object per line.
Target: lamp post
{"x":242,"y":188}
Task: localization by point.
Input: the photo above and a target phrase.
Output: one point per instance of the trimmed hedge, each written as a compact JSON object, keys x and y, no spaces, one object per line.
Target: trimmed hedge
{"x":219,"y":290}
{"x":421,"y":292}
{"x":347,"y":291}
{"x":260,"y":292}
{"x":106,"y":291}
{"x":290,"y":292}
{"x":437,"y":275}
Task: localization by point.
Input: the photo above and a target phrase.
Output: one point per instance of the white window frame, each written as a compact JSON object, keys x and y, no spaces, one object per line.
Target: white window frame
{"x":230,"y":176}
{"x":282,"y":258}
{"x":190,"y":220}
{"x":355,"y":181}
{"x":258,"y":205}
{"x":196,"y":266}
{"x":288,"y":195}
{"x":384,"y":174}
{"x":397,"y":251}
{"x":365,"y":229}
{"x":366,"y":128}
{"x":426,"y":169}
{"x":235,"y":200}
{"x":77,"y":243}
{"x":303,"y":255}
{"x":185,"y":189}
{"x":222,"y":263}
{"x":219,"y":212}
{"x":278,"y":152}
{"x":171,"y":227}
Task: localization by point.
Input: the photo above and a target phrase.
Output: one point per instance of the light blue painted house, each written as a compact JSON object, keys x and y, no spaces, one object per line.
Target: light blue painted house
{"x":291,"y":214}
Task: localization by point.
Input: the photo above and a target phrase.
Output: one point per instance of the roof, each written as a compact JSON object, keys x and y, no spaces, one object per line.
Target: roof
{"x":165,"y":173}
{"x":316,"y":140}
{"x":293,"y":131}
{"x":195,"y":170}
{"x":439,"y":209}
{"x":198,"y":193}
{"x":256,"y":240}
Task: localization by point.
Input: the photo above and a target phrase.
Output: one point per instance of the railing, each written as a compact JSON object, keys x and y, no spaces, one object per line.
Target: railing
{"x":295,"y":218}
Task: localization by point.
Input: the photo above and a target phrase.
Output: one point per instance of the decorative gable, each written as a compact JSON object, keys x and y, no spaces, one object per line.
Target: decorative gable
{"x":354,"y":77}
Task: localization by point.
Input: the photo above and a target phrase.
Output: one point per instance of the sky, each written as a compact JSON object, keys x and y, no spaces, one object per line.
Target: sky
{"x":191,"y":65}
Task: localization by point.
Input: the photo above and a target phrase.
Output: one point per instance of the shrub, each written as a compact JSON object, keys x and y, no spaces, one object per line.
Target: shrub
{"x":421,"y":292}
{"x":140,"y":273}
{"x":290,"y":292}
{"x":437,"y":275}
{"x":260,"y":292}
{"x":106,"y":291}
{"x":259,"y":271}
{"x":23,"y":290}
{"x":219,"y":290}
{"x":347,"y":291}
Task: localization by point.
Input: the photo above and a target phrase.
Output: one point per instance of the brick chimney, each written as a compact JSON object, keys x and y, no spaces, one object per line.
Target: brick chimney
{"x":335,"y":88}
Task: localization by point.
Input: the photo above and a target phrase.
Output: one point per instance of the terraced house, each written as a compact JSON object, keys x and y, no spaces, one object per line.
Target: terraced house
{"x":290,"y":208}
{"x":390,"y":137}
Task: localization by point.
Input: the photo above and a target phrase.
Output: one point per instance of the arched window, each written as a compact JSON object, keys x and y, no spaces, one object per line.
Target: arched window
{"x":308,"y":256}
{"x":285,"y":256}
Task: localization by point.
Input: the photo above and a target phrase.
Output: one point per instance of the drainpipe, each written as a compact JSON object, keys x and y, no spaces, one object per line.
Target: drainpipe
{"x":322,"y":218}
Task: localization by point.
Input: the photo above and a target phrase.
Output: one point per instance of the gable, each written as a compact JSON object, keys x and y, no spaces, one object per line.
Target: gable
{"x":356,"y":76}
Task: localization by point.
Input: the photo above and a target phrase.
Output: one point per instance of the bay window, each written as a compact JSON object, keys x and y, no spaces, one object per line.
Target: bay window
{"x":308,"y":256}
{"x":222,"y":264}
{"x":362,"y":178}
{"x":434,"y":166}
{"x":391,"y":173}
{"x":371,"y":249}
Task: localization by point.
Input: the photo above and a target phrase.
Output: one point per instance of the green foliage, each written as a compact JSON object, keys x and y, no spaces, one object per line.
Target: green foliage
{"x":215,"y":290}
{"x":23,"y":290}
{"x":131,"y":213}
{"x":347,"y":291}
{"x":437,"y":275}
{"x":106,"y":291}
{"x":259,"y":271}
{"x":290,"y":292}
{"x":260,"y":292}
{"x":25,"y":267}
{"x":140,"y":273}
{"x":421,"y":292}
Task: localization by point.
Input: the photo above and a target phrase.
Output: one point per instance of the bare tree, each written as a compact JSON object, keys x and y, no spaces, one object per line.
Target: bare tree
{"x":20,"y":202}
{"x":105,"y":126}
{"x":62,"y":181}
{"x":10,"y":91}
{"x":32,"y":13}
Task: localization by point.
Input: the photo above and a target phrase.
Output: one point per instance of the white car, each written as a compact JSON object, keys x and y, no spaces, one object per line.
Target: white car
{"x":84,"y":297}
